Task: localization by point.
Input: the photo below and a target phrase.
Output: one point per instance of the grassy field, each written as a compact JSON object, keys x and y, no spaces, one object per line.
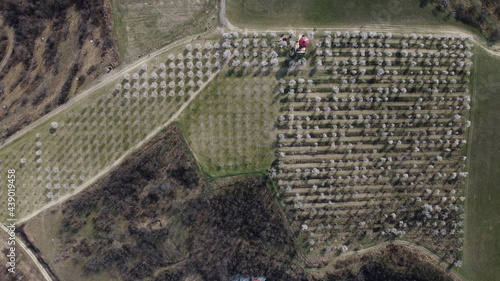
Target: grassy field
{"x":482,"y":242}
{"x":229,"y":127}
{"x":320,"y":13}
{"x":140,"y":27}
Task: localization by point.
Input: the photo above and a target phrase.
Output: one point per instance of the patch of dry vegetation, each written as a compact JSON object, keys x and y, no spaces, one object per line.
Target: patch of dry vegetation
{"x":6,"y":42}
{"x":391,"y":262}
{"x":157,"y":217}
{"x":59,"y":48}
{"x":24,"y":269}
{"x":141,"y":27}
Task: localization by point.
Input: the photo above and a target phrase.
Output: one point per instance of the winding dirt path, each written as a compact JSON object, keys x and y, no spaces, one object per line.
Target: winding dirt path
{"x":223,"y":18}
{"x":10,"y":47}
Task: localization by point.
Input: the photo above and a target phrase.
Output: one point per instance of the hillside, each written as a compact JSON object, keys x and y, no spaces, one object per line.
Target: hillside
{"x":59,"y":47}
{"x":371,"y":155}
{"x":156,"y":217}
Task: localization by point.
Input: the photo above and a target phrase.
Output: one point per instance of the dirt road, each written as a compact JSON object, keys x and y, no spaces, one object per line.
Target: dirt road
{"x":401,"y":29}
{"x":99,"y":83}
{"x":122,"y":158}
{"x":30,"y":254}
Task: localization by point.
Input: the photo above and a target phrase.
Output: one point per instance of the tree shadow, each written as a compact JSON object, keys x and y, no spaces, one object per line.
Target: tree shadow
{"x":424,"y":3}
{"x":283,"y":70}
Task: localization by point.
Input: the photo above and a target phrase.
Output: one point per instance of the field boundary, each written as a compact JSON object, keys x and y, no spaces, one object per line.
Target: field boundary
{"x":381,"y":27}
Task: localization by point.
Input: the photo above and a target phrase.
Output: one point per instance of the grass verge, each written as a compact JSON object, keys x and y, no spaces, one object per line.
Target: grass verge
{"x":482,"y":243}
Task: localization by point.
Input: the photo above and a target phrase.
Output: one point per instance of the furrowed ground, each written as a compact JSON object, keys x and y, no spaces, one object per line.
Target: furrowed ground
{"x":276,"y":13}
{"x":141,"y":27}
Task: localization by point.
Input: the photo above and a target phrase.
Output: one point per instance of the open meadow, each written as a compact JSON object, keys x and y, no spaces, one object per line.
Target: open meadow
{"x":230,"y":126}
{"x":479,"y":17}
{"x":278,"y":13}
{"x":482,"y":223}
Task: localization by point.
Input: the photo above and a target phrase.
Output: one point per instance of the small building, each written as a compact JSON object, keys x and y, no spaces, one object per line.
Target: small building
{"x":300,"y":46}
